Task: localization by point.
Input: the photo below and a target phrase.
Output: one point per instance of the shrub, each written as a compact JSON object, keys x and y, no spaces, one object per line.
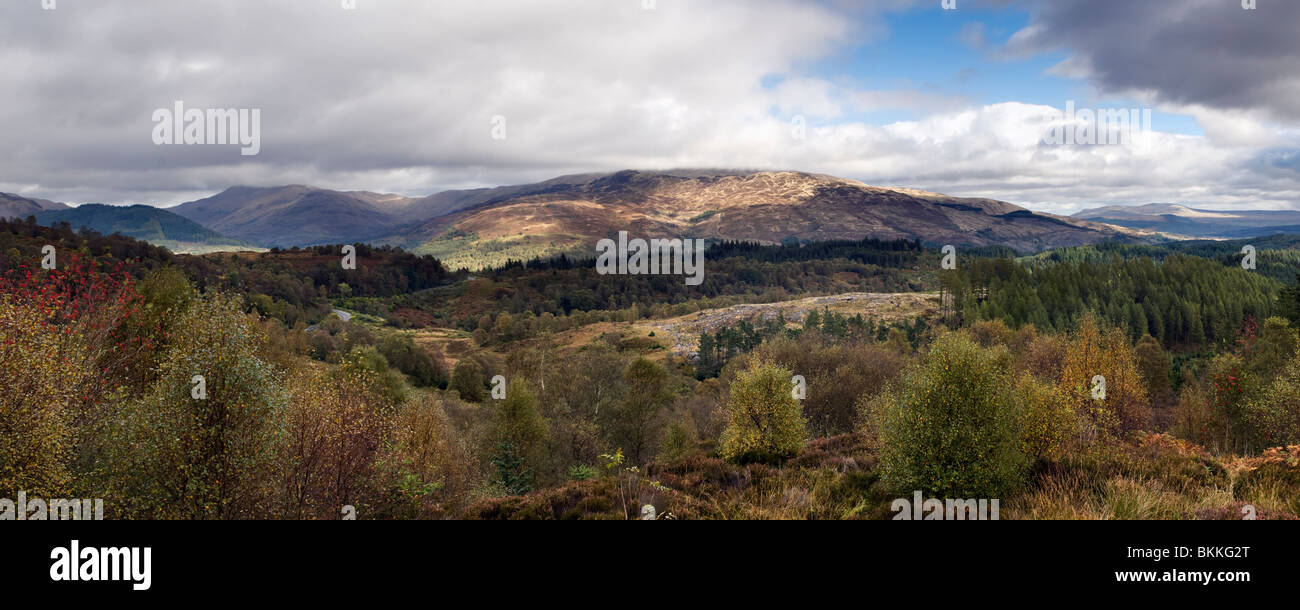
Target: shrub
{"x":427,"y":465}
{"x":632,"y":423}
{"x":467,"y":378}
{"x":521,"y":432}
{"x":582,"y":472}
{"x":38,"y":384}
{"x":336,"y":421}
{"x":950,"y":428}
{"x":1049,"y":426}
{"x":1273,"y":417}
{"x":175,"y":456}
{"x":765,"y":422}
{"x":1099,"y":350}
{"x":838,"y":377}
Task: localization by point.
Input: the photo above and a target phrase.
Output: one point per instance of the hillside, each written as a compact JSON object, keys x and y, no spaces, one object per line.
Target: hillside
{"x":155,"y":225}
{"x":486,"y":227}
{"x":1181,"y":221}
{"x":295,"y":215}
{"x":16,"y":206}
{"x":769,"y":207}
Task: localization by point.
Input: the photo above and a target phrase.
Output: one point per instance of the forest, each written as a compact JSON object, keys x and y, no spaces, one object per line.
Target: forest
{"x":221,"y":387}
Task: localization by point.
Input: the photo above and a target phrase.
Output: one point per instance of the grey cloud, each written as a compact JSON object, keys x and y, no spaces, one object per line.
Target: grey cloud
{"x":1206,"y":52}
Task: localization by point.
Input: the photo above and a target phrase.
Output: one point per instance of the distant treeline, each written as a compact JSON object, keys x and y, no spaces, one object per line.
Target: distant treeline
{"x":1178,"y":299}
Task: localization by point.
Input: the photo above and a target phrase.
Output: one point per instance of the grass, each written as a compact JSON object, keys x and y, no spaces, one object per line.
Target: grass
{"x":1151,"y":476}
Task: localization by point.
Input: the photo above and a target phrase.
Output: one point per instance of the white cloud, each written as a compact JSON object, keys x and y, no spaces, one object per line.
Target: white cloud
{"x":398,"y":96}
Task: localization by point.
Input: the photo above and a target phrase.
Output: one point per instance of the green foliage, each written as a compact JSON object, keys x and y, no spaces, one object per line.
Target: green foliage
{"x":1275,"y":348}
{"x":632,"y":422}
{"x":174,"y":456}
{"x":582,"y":472}
{"x":467,"y":379}
{"x":391,"y":382}
{"x":839,"y":375}
{"x":511,"y":474}
{"x":517,"y":420}
{"x":680,"y":439}
{"x":1049,"y":424}
{"x":401,"y":351}
{"x":950,"y":428}
{"x":1178,"y":300}
{"x":1154,"y":364}
{"x":1246,"y":400}
{"x":38,"y":381}
{"x":765,"y":422}
{"x":1271,"y":417}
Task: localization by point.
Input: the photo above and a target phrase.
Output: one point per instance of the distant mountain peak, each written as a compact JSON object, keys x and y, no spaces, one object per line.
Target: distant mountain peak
{"x":1179,"y":220}
{"x":18,"y":206}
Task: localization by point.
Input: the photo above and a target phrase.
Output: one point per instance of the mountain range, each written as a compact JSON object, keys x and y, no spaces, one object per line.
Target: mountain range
{"x":484,"y":227}
{"x":770,"y":207}
{"x":476,"y":228}
{"x":1179,"y":221}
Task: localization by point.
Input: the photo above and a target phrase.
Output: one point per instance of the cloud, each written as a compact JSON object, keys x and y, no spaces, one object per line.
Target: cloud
{"x":1208,"y":53}
{"x":400,"y":95}
{"x":397,"y":95}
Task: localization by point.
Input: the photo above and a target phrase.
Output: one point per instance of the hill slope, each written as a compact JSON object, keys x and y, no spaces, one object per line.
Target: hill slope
{"x":296,"y":215}
{"x":567,"y":215}
{"x":485,"y":227}
{"x":17,"y":206}
{"x":155,"y":225}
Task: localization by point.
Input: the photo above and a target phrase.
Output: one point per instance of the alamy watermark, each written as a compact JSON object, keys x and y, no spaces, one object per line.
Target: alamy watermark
{"x":933,"y":509}
{"x":179,"y":125}
{"x":651,"y":257}
{"x":114,"y":564}
{"x":53,"y":509}
{"x":1099,"y":126}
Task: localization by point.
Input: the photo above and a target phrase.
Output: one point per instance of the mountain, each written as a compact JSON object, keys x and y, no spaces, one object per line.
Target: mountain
{"x":296,"y":215}
{"x":567,"y":214}
{"x":488,"y":226}
{"x":16,"y":206}
{"x":155,"y":225}
{"x":1181,"y":221}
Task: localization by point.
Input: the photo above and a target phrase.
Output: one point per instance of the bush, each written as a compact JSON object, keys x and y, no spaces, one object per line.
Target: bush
{"x":765,"y":422}
{"x":38,"y":382}
{"x":336,"y":421}
{"x":401,"y":351}
{"x":467,"y":378}
{"x":521,"y":432}
{"x":838,"y":377}
{"x":950,"y":428}
{"x":1095,"y":350}
{"x":1049,"y":426}
{"x":172,"y":455}
{"x":1273,"y":417}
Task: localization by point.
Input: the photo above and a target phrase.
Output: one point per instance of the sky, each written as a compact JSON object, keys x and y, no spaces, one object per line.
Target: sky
{"x":415,"y":97}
